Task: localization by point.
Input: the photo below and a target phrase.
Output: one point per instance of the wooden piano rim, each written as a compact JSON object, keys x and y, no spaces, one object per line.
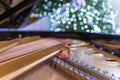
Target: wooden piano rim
{"x":8,"y":67}
{"x":8,"y":47}
{"x":26,"y":68}
{"x":9,"y":44}
{"x":6,"y":43}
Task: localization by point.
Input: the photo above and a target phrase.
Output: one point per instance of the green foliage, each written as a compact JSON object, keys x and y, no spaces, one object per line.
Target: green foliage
{"x":94,"y":16}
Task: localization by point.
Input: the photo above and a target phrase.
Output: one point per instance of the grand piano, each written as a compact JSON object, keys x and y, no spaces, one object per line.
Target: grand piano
{"x":42,"y":43}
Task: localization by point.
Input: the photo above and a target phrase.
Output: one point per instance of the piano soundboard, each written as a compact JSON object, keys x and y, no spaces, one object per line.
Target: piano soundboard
{"x":36,"y":58}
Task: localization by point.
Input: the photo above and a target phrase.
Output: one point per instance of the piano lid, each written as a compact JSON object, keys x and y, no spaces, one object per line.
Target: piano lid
{"x":13,"y":12}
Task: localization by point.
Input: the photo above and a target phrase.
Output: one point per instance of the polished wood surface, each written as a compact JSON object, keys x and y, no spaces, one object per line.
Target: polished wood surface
{"x":18,"y":69}
{"x":31,"y":52}
{"x":92,"y":56}
{"x":29,"y":39}
{"x":42,"y":72}
{"x":5,"y":45}
{"x":113,"y":46}
{"x":8,"y":47}
{"x":27,"y":48}
{"x":8,"y":44}
{"x":25,"y":55}
{"x":2,"y":42}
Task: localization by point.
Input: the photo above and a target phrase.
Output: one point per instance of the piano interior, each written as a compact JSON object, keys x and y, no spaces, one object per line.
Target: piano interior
{"x":50,"y":58}
{"x":34,"y":54}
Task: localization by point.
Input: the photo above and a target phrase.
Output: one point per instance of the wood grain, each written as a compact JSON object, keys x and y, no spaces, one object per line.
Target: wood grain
{"x":41,"y":72}
{"x":8,"y":47}
{"x":17,"y":69}
{"x":29,"y":39}
{"x":44,"y":71}
{"x":23,"y":57}
{"x":7,"y":43}
{"x":27,"y":48}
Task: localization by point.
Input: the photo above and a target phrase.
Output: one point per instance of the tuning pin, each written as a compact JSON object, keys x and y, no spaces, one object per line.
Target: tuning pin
{"x":20,"y":36}
{"x":89,"y":67}
{"x":104,"y":72}
{"x":98,"y":70}
{"x":86,"y":65}
{"x":101,"y":72}
{"x":69,"y":49}
{"x":75,"y":60}
{"x":79,"y":62}
{"x":92,"y":67}
{"x":112,"y":75}
{"x":83,"y":64}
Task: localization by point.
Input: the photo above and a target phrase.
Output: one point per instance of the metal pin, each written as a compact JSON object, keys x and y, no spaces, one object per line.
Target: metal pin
{"x":92,"y":67}
{"x":98,"y":70}
{"x":112,"y":75}
{"x":106,"y":72}
{"x":87,"y":65}
{"x":79,"y":62}
{"x":75,"y":59}
{"x":69,"y":50}
{"x":20,"y":36}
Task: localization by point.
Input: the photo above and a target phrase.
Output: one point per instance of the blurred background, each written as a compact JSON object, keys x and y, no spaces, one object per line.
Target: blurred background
{"x":94,"y":16}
